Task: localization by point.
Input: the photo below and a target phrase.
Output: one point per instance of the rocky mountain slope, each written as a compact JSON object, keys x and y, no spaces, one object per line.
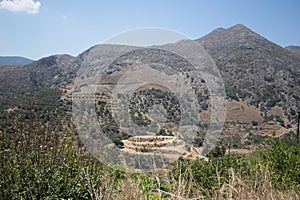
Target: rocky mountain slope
{"x":261,"y":79}
{"x":47,"y":72}
{"x":255,"y":69}
{"x":294,"y":49}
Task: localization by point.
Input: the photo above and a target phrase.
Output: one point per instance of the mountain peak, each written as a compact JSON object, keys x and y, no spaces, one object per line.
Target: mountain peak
{"x":238,"y":36}
{"x":239,"y":27}
{"x":54,"y":60}
{"x":237,"y":31}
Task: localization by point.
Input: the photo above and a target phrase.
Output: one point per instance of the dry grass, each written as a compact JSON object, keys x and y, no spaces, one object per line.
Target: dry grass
{"x":185,"y":188}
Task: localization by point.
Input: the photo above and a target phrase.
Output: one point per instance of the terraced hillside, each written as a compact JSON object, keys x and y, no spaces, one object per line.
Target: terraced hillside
{"x":261,"y":82}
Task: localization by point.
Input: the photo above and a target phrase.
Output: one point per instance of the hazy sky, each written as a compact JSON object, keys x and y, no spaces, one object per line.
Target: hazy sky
{"x":36,"y":29}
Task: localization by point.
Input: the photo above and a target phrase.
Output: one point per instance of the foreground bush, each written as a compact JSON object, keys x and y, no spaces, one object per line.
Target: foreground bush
{"x":33,"y":167}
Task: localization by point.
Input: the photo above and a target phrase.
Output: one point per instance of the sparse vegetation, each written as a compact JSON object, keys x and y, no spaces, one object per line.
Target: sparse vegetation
{"x":41,"y":159}
{"x":41,"y":156}
{"x":59,"y":170}
{"x":254,"y":123}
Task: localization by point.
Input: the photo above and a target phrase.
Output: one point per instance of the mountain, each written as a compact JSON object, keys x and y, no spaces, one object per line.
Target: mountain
{"x":14,"y":60}
{"x":294,"y":49}
{"x":261,"y":79}
{"x":255,"y":69}
{"x":46,"y":72}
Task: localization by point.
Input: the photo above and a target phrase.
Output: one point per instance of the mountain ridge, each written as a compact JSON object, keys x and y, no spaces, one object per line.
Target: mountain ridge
{"x":254,"y":69}
{"x":47,"y":72}
{"x":14,"y":60}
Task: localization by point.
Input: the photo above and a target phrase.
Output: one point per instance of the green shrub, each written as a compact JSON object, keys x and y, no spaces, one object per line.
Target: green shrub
{"x":254,"y":123}
{"x":284,"y":164}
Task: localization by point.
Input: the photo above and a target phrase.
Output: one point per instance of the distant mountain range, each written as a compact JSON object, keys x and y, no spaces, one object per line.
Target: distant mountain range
{"x":14,"y":60}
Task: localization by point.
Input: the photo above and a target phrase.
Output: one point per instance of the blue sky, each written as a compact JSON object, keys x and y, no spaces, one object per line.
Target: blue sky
{"x":68,"y":26}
